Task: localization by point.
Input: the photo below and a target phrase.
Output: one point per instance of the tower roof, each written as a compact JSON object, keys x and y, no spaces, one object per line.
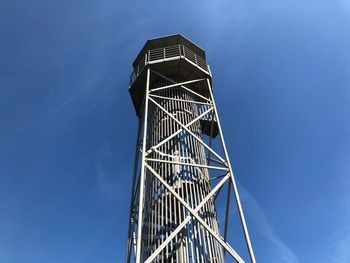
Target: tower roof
{"x":170,"y":40}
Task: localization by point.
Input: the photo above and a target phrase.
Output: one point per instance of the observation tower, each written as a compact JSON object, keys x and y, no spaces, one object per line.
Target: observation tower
{"x":181,"y":162}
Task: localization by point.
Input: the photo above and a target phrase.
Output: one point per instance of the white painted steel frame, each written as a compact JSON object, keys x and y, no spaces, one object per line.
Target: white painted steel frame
{"x":194,"y":213}
{"x":137,"y":208}
{"x":233,"y":181}
{"x":142,"y":173}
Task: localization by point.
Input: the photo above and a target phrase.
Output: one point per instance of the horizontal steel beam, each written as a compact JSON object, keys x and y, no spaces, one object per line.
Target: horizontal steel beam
{"x":176,"y":85}
{"x":174,"y":99}
{"x":188,"y":164}
{"x":182,"y":86}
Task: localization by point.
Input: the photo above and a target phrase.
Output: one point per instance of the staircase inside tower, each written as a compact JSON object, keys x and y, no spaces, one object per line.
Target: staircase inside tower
{"x":163,"y":213}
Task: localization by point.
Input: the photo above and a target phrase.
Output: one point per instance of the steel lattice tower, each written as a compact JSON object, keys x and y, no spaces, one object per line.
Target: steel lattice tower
{"x":178,"y":174}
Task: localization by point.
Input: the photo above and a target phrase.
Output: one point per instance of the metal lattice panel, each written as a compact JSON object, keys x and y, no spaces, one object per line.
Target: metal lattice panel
{"x":163,"y":212}
{"x":176,"y":183}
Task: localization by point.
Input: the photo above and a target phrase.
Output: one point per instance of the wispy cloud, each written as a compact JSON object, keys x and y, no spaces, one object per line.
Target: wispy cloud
{"x":279,"y":251}
{"x":64,"y":104}
{"x":97,"y":85}
{"x":341,"y":248}
{"x":339,"y":242}
{"x":345,"y":5}
{"x":107,"y":181}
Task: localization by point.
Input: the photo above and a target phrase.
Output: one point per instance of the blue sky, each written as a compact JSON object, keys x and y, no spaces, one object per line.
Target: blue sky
{"x":281,"y":74}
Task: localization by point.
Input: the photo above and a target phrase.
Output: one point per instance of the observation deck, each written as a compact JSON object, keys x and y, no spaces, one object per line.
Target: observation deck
{"x":167,"y":54}
{"x":173,"y":56}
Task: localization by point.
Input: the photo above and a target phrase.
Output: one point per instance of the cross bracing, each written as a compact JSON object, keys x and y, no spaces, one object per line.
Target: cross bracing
{"x":179,"y":220}
{"x":178,"y":172}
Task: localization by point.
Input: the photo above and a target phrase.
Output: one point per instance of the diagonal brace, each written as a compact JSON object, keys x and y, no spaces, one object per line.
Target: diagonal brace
{"x":189,"y":131}
{"x":172,"y":81}
{"x":184,"y":222}
{"x":177,"y":132}
{"x":176,"y":85}
{"x":188,"y":164}
{"x":195,"y":214}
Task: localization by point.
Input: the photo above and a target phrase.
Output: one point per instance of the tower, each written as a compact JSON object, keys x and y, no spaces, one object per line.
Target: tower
{"x":178,"y":173}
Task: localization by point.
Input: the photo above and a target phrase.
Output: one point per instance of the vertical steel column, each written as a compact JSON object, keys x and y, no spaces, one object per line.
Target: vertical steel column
{"x":235,"y":190}
{"x":142,"y":174}
{"x":132,"y":203}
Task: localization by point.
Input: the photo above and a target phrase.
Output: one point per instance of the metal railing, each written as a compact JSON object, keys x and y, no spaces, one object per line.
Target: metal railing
{"x":169,"y":53}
